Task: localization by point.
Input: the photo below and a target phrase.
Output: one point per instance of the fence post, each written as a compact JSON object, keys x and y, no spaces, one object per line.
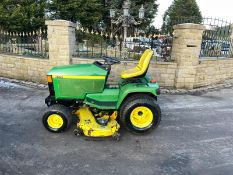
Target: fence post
{"x":61,"y":39}
{"x":185,"y":51}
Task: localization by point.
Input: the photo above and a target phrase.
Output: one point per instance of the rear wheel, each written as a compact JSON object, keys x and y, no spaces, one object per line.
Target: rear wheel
{"x":140,"y":113}
{"x":57,"y":118}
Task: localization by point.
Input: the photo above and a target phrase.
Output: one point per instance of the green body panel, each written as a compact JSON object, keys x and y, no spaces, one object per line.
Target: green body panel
{"x":105,"y":100}
{"x":113,"y":98}
{"x":76,"y":88}
{"x":78,"y":69}
{"x":83,"y":82}
{"x":136,"y":88}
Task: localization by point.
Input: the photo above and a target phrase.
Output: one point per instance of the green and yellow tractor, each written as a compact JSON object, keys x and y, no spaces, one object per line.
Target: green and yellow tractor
{"x":82,"y":91}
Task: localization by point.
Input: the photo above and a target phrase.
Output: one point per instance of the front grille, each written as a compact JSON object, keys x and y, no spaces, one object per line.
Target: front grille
{"x":51,"y":89}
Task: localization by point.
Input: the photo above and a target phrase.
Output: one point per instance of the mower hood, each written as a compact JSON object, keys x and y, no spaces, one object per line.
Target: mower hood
{"x":77,"y":70}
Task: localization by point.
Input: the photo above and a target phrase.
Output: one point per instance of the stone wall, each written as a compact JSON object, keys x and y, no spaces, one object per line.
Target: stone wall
{"x":163,"y":72}
{"x":61,"y":38}
{"x":24,"y":68}
{"x":213,"y":71}
{"x":187,"y":71}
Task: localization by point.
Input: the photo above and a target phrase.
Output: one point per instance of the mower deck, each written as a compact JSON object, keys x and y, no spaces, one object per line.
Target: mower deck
{"x":89,"y":126}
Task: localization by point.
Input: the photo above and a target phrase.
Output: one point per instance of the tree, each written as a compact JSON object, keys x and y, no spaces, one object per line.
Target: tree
{"x":181,"y":11}
{"x":88,"y":12}
{"x":22,"y":15}
{"x":151,"y":30}
{"x":28,"y":15}
{"x":151,"y":8}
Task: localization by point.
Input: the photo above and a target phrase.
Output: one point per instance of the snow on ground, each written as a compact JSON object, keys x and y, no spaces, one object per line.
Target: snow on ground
{"x":9,"y":85}
{"x":13,"y":83}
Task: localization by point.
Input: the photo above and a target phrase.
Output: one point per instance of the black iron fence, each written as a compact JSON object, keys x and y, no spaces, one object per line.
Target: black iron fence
{"x":217,"y":39}
{"x":217,"y":42}
{"x":96,"y":44}
{"x":25,"y":43}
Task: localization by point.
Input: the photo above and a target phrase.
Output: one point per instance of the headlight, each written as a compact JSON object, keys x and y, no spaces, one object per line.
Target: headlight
{"x":50,"y":78}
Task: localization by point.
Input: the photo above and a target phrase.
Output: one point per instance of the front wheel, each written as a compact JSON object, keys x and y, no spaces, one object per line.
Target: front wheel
{"x":140,"y":113}
{"x":57,"y":118}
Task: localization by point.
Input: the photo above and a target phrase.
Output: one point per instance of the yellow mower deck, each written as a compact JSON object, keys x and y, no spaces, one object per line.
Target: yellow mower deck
{"x":91,"y":128}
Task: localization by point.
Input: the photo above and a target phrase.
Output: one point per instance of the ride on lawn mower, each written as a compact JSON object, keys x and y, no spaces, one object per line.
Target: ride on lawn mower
{"x":82,"y":90}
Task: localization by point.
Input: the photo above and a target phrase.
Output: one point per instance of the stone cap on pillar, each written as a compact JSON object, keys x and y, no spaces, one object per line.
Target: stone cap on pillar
{"x":60,"y":23}
{"x":189,"y":26}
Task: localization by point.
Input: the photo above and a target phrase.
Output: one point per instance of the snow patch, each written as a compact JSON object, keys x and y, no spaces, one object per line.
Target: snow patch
{"x":13,"y":83}
{"x":9,"y":85}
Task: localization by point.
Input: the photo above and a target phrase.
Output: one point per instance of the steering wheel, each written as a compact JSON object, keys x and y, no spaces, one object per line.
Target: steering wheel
{"x":110,"y":60}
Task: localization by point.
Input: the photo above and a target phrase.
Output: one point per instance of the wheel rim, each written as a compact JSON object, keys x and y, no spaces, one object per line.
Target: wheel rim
{"x":141,"y":117}
{"x":55,"y":121}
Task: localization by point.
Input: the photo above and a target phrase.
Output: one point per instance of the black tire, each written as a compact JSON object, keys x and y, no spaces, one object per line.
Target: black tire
{"x":139,"y":100}
{"x":61,"y":111}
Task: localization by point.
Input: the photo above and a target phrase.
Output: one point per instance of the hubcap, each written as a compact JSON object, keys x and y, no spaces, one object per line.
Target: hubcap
{"x":141,"y":117}
{"x":55,"y":121}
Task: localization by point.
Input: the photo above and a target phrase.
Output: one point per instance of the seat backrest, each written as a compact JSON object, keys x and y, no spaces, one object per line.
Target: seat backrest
{"x":145,"y":60}
{"x":143,"y":57}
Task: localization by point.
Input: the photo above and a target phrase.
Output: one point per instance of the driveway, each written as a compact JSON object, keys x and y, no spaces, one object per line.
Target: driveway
{"x":195,"y":137}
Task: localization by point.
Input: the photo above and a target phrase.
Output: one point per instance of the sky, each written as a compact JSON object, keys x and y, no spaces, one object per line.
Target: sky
{"x":209,"y":8}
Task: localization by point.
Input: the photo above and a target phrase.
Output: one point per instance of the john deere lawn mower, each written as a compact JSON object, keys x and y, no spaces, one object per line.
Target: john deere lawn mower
{"x":82,"y":91}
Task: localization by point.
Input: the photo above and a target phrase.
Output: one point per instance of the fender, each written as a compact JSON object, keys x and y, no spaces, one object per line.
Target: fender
{"x":149,"y":88}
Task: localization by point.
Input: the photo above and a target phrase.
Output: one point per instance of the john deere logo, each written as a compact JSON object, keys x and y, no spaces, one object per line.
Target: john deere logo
{"x":58,"y":76}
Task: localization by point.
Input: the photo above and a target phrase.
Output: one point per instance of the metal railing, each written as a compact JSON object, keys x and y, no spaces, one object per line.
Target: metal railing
{"x":105,"y":44}
{"x":33,"y":44}
{"x":217,"y":40}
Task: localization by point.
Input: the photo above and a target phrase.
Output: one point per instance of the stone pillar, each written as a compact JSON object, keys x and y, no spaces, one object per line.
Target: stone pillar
{"x":232,"y":37}
{"x":61,"y":39}
{"x":185,"y":52}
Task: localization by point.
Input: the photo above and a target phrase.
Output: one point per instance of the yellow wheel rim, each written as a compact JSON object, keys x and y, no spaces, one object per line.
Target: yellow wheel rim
{"x":55,"y":121}
{"x":141,"y":117}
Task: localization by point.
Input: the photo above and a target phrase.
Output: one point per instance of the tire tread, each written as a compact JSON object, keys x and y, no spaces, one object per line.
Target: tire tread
{"x":139,"y":98}
{"x":61,"y":109}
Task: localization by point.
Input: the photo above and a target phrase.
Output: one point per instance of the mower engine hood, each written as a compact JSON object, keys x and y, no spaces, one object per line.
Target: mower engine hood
{"x":78,"y":69}
{"x":75,"y":81}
